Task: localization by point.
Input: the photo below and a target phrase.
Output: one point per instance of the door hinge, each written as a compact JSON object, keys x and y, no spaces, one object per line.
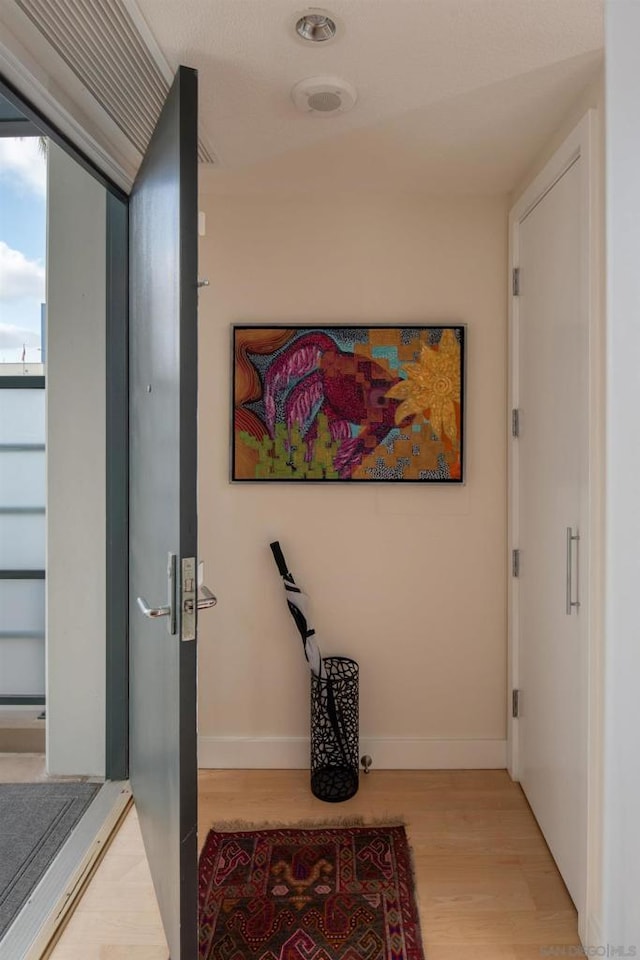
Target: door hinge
{"x":515,"y":282}
{"x":515,"y":703}
{"x":515,"y":563}
{"x":515,"y":422}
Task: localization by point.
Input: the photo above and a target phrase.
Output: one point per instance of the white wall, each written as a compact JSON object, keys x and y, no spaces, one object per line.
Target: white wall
{"x":76,"y":649}
{"x":621,"y":921}
{"x":591,"y":98}
{"x":408,"y":579}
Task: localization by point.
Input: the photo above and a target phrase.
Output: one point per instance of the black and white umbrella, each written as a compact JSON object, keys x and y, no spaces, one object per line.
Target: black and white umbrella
{"x":297,"y":601}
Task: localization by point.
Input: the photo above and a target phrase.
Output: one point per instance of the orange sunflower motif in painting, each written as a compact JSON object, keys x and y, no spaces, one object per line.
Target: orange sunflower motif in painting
{"x":432,"y":387}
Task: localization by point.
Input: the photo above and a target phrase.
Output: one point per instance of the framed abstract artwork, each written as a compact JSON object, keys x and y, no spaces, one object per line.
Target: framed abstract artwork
{"x":355,"y":404}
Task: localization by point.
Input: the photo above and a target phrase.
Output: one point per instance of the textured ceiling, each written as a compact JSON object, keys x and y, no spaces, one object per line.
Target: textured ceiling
{"x":453,"y":94}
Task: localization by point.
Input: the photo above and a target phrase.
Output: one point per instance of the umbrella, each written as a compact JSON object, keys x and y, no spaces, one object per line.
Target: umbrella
{"x":297,"y":601}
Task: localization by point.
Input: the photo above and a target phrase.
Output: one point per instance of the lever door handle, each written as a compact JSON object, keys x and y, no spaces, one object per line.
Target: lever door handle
{"x":169,"y":611}
{"x":152,"y":612}
{"x":208,"y":599}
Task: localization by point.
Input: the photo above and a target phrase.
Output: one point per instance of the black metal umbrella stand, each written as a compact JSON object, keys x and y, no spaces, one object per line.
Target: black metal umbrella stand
{"x":335,"y":731}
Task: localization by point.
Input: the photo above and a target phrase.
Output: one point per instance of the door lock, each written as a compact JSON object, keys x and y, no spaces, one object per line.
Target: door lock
{"x":191,"y":585}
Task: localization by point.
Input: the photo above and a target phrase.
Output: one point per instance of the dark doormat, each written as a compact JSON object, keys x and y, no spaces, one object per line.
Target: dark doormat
{"x":35,"y":821}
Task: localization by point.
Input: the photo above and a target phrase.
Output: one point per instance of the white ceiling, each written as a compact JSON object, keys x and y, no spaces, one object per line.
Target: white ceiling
{"x":454,"y":95}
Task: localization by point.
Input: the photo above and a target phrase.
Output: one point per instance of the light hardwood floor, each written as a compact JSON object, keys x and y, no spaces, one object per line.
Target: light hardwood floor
{"x":487,"y":886}
{"x":22,"y":768}
{"x":22,"y":730}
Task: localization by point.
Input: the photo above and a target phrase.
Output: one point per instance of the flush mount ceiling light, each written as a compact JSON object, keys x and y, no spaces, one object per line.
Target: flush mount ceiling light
{"x":317,"y":27}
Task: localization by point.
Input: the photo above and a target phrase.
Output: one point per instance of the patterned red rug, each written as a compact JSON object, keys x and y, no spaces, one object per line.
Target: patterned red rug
{"x":327,"y":893}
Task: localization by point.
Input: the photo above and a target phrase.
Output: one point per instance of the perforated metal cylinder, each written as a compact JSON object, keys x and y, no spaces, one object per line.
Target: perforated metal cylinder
{"x":335,"y":731}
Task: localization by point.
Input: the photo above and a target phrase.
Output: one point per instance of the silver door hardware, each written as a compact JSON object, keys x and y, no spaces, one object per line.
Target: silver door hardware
{"x":515,"y":283}
{"x":515,"y":703}
{"x":191,"y":586}
{"x":152,"y":612}
{"x":169,"y":610}
{"x":515,"y":422}
{"x":208,"y":599}
{"x":203,"y":283}
{"x":366,"y":762}
{"x":189,"y":591}
{"x":515,"y":563}
{"x":571,"y":539}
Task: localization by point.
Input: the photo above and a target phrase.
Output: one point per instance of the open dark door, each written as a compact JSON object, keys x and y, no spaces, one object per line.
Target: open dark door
{"x":163,"y":361}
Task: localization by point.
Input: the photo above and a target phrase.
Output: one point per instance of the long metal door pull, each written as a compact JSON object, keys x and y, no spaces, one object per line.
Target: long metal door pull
{"x":571,"y":539}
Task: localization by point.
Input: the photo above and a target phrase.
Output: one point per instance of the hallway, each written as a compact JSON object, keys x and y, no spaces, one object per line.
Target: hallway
{"x":487,"y":886}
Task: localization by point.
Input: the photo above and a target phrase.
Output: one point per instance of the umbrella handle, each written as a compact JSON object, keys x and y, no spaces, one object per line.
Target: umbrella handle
{"x":278,"y":556}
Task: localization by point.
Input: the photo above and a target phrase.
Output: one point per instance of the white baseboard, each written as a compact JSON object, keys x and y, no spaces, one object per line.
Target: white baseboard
{"x":387,"y":753}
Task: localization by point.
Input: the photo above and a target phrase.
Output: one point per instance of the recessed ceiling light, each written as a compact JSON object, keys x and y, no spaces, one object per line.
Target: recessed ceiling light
{"x":316,"y":27}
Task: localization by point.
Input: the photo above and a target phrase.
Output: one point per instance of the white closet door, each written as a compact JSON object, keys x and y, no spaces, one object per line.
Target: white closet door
{"x":552,"y":489}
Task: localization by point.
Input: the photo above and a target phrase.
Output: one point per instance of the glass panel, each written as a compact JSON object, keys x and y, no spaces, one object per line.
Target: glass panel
{"x":21,"y":416}
{"x":22,"y":542}
{"x":23,"y":187}
{"x":21,"y":606}
{"x":21,"y":666}
{"x":22,"y":479}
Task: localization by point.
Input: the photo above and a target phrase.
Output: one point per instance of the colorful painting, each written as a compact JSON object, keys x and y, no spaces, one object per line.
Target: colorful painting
{"x":348,"y":403}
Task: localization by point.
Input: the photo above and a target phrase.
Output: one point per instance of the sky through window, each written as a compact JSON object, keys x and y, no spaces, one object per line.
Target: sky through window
{"x":23,"y":212}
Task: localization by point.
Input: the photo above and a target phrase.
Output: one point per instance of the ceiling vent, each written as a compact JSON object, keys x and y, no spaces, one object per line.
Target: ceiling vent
{"x":109,"y":54}
{"x":324,"y":96}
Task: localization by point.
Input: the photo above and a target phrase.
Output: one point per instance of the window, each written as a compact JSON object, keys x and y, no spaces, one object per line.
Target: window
{"x":23,"y":214}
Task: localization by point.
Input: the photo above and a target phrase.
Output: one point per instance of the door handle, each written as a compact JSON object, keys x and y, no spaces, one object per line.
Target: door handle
{"x":195,"y":596}
{"x":152,"y":612}
{"x":169,"y":610}
{"x":208,"y":599}
{"x":571,"y":539}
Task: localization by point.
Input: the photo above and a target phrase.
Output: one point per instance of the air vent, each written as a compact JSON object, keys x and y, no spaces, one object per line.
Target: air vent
{"x":324,"y":96}
{"x":325,"y":101}
{"x":101,"y":43}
